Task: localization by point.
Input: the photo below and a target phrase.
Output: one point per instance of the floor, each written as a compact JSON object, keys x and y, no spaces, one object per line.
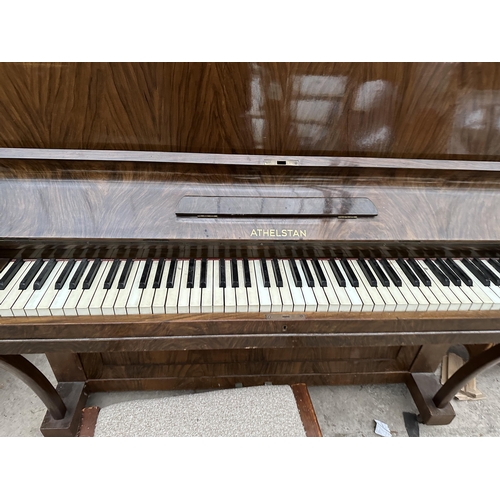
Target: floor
{"x":342,"y":411}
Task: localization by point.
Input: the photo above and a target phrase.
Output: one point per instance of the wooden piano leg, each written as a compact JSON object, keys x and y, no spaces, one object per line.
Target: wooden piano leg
{"x":433,"y":400}
{"x":64,"y":404}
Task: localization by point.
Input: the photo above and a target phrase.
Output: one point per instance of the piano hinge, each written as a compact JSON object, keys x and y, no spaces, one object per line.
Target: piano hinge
{"x":207,"y":216}
{"x":347,"y":217}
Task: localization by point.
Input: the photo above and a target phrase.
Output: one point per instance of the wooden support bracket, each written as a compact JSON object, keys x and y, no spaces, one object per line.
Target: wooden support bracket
{"x":74,"y":396}
{"x":423,"y":387}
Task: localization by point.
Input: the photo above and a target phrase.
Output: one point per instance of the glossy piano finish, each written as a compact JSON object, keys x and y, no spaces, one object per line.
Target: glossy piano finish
{"x":393,"y":110}
{"x":65,"y":206}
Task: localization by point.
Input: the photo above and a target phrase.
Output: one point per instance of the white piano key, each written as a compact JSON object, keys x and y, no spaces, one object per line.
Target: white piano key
{"x":378,"y":303}
{"x":160,"y":294}
{"x":217,"y":291}
{"x":69,"y":307}
{"x":387,"y":297}
{"x":112,"y":293}
{"x":356,"y":299}
{"x":490,"y":300}
{"x":299,"y":304}
{"x":344,"y":299}
{"x":493,"y":287}
{"x":120,"y":307}
{"x":97,"y":301}
{"x":44,"y":307}
{"x":334,"y":304}
{"x":12,"y":291}
{"x":83,"y":307}
{"x":18,"y":308}
{"x":229,"y":293}
{"x":437,"y":290}
{"x":134,"y":299}
{"x":423,"y":303}
{"x":367,"y":303}
{"x":31,"y":308}
{"x":148,"y":293}
{"x":274,"y":290}
{"x":207,"y":297}
{"x":446,"y":290}
{"x":458,"y":291}
{"x":241,"y":291}
{"x":14,"y":282}
{"x":252,"y":291}
{"x":172,"y":304}
{"x":184,"y":291}
{"x":412,"y":304}
{"x":311,"y":303}
{"x":196,"y":291}
{"x":264,"y":296}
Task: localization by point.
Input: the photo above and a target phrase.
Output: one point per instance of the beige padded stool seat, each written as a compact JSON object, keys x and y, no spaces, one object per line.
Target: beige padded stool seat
{"x":264,"y":411}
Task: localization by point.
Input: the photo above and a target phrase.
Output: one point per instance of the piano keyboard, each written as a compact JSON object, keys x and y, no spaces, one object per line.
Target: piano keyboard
{"x":178,"y":286}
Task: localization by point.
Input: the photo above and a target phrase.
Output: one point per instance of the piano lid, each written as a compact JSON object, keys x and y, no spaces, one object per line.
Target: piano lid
{"x":380,"y":110}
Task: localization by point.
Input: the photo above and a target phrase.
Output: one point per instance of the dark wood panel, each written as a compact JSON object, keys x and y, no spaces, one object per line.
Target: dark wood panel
{"x":410,"y":110}
{"x":184,"y":383}
{"x":246,"y":355}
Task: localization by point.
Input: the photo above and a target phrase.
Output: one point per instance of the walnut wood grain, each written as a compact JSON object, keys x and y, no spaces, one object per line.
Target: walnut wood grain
{"x":393,"y":110}
{"x":59,"y":208}
{"x":306,"y":410}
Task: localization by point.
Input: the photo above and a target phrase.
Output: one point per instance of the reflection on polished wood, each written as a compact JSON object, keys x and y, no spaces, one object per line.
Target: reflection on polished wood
{"x":393,"y":110}
{"x":100,"y":160}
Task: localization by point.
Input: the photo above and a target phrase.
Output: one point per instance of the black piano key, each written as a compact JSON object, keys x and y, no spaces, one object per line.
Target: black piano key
{"x":191,"y":274}
{"x":222,"y":273}
{"x":449,"y":272}
{"x":159,"y":273}
{"x":42,"y":277}
{"x":319,"y":273}
{"x":10,"y":273}
{"x":30,"y":275}
{"x":64,"y":274}
{"x":265,"y":273}
{"x":486,"y":271}
{"x":393,"y":276}
{"x":143,"y":283}
{"x":338,"y":274}
{"x":171,"y":273}
{"x":351,"y":276}
{"x":459,"y":272}
{"x":89,"y":279}
{"x":203,"y":273}
{"x":108,"y":282}
{"x":443,"y":279}
{"x":295,"y":273}
{"x":419,"y":272}
{"x":307,"y":272}
{"x":378,"y":271}
{"x":367,"y":272}
{"x":78,"y":274}
{"x":122,"y":282}
{"x":277,"y":273}
{"x":246,"y":272}
{"x":235,"y":282}
{"x":476,"y":272}
{"x":494,"y":263}
{"x":408,"y":272}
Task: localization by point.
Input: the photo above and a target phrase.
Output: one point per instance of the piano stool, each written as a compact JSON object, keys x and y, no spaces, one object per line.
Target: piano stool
{"x":262,"y":411}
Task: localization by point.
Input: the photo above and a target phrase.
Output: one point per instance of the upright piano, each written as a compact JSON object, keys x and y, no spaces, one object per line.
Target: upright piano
{"x":210,"y":225}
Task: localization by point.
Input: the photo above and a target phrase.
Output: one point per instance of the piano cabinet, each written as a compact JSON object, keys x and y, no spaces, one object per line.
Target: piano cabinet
{"x":141,"y":161}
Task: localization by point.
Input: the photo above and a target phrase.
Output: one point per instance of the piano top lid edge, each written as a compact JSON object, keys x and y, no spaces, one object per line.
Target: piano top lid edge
{"x":292,"y":161}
